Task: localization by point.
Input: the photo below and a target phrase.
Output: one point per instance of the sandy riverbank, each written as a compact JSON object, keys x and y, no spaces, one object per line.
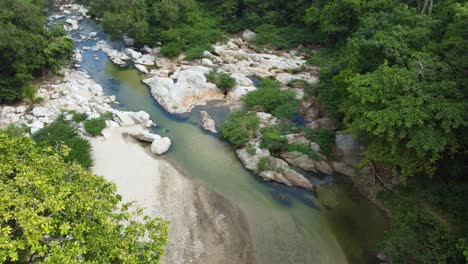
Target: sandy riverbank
{"x":205,"y":227}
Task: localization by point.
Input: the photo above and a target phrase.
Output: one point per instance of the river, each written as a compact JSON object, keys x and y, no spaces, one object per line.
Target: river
{"x":288,"y":224}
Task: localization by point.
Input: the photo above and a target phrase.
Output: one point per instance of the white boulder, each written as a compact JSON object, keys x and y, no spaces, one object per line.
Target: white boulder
{"x":160,"y":145}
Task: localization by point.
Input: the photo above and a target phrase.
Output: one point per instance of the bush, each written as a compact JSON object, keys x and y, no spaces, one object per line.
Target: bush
{"x":240,"y":127}
{"x":223,"y":80}
{"x":172,"y":49}
{"x":95,"y":126}
{"x":263,"y":164}
{"x":79,"y":117}
{"x":16,"y":130}
{"x":30,"y":94}
{"x":271,"y":99}
{"x":326,"y":140}
{"x":273,"y":140}
{"x":62,"y":132}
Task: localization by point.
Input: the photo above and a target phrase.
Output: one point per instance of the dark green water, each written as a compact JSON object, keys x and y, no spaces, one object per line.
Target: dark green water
{"x":288,"y":225}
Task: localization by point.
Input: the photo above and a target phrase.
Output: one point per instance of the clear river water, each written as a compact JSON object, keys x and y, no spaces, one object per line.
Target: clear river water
{"x":287,"y":224}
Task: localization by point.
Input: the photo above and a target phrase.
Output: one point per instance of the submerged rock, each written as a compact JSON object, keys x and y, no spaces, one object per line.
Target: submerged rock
{"x":208,"y":122}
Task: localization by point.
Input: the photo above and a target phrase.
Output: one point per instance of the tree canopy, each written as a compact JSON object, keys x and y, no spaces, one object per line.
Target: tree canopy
{"x":27,"y":48}
{"x":57,"y":212}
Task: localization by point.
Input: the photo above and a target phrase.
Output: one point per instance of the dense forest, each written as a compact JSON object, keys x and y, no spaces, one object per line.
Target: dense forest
{"x":392,"y":72}
{"x":27,"y":48}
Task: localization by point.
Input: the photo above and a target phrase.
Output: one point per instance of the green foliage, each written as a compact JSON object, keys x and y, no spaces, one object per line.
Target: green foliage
{"x":326,"y":141}
{"x":27,"y":48}
{"x":15,"y":130}
{"x":63,"y":133}
{"x":56,"y":212}
{"x":79,"y":117}
{"x":30,"y":94}
{"x":273,"y":140}
{"x":263,"y":164}
{"x":404,"y":114}
{"x":269,"y":98}
{"x":95,"y":126}
{"x":223,"y":80}
{"x":420,"y":234}
{"x":283,"y":37}
{"x":240,"y":127}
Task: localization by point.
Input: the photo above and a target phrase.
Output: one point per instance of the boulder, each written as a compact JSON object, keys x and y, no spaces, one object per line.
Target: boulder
{"x":251,"y":160}
{"x":207,"y":62}
{"x":123,"y":119}
{"x":249,"y":35}
{"x":145,"y":137}
{"x":36,"y":126}
{"x":39,"y":111}
{"x":133,"y":53}
{"x":190,"y":89}
{"x":299,"y":160}
{"x":20,"y":109}
{"x":297,"y":139}
{"x":129,"y":41}
{"x":281,"y":172}
{"x":266,"y":119}
{"x":146,"y":59}
{"x":141,"y":68}
{"x":208,"y":123}
{"x":160,"y":145}
{"x":239,"y":91}
{"x":323,"y":167}
{"x":92,"y":35}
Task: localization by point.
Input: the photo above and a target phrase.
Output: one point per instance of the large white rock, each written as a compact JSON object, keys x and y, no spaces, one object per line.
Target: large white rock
{"x":249,"y":35}
{"x":133,"y":53}
{"x":146,"y":137}
{"x":141,"y":68}
{"x":39,"y":111}
{"x":160,"y":145}
{"x":190,"y":89}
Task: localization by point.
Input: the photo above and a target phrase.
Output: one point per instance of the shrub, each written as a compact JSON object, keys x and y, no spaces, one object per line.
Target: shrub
{"x":173,"y":49}
{"x":302,"y":148}
{"x":79,"y":117}
{"x":263,"y":164}
{"x":95,"y":126}
{"x":62,"y":132}
{"x":273,"y":140}
{"x":16,"y":130}
{"x":271,"y":99}
{"x":223,"y":80}
{"x":326,"y":140}
{"x":240,"y":127}
{"x":30,"y":94}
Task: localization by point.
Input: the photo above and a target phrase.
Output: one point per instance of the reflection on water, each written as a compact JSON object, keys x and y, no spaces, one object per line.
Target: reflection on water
{"x":288,"y":224}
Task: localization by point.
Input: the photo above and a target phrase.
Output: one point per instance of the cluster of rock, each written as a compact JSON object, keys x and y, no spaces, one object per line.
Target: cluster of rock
{"x":76,"y":91}
{"x":159,"y":145}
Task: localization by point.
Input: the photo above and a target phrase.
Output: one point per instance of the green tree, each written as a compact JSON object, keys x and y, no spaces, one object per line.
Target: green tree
{"x":56,"y":212}
{"x":410,"y":119}
{"x":62,"y":133}
{"x":240,"y":127}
